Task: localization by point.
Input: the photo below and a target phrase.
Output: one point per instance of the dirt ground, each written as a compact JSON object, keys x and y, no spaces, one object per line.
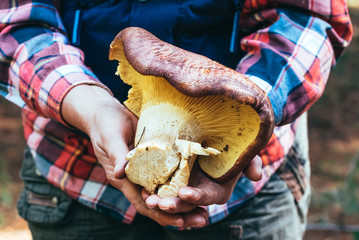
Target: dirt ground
{"x":334,"y":141}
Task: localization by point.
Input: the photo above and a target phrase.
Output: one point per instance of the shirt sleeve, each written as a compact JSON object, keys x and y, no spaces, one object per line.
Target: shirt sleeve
{"x":37,"y":64}
{"x":291,"y":49}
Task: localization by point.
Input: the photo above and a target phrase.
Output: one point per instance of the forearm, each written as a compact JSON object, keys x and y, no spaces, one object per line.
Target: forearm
{"x":38,"y":66}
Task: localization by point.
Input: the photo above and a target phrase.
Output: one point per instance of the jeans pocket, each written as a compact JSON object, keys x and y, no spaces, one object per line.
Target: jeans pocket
{"x":45,"y":209}
{"x":40,"y":202}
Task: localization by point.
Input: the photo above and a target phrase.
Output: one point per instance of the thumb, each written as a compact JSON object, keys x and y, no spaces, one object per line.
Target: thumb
{"x":254,"y":169}
{"x":120,"y":170}
{"x":117,"y":153}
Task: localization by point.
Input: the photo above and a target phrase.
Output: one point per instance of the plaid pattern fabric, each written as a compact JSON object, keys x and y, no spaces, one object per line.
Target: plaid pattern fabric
{"x":291,"y":47}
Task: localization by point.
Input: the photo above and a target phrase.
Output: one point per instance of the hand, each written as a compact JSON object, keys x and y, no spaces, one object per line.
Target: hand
{"x":202,"y":191}
{"x":111,"y":128}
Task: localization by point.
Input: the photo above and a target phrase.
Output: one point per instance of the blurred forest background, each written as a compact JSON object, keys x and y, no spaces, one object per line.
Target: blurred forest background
{"x":334,"y":151}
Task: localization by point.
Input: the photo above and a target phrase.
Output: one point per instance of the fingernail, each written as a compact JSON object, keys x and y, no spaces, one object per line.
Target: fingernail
{"x":178,"y":223}
{"x":119,"y":172}
{"x":165,"y":204}
{"x":185,"y":192}
{"x":151,"y":202}
{"x":201,"y":222}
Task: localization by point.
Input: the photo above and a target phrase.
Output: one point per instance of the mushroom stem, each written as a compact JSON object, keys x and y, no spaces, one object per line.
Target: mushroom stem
{"x":167,"y":141}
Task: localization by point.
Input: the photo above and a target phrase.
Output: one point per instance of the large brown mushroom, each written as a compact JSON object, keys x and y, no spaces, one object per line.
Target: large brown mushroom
{"x":188,"y":106}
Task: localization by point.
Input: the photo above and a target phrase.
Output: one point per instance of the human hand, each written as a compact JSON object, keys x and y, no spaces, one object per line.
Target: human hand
{"x":111,"y":128}
{"x":202,"y":191}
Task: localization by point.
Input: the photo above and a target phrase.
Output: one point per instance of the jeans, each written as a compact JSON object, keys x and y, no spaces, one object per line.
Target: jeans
{"x":272,"y":214}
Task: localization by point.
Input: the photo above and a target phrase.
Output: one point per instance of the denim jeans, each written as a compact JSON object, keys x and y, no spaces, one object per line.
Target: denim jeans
{"x":272,"y":214}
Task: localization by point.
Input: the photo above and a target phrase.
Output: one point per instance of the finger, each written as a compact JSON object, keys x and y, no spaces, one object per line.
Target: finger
{"x":118,"y":154}
{"x":132,"y":193}
{"x":197,"y":218}
{"x":175,"y":205}
{"x":162,"y":218}
{"x":120,"y":170}
{"x":152,"y":201}
{"x":111,"y":150}
{"x":254,"y":170}
{"x":120,"y":145}
{"x":205,"y":194}
{"x":169,"y":204}
{"x":145,"y":194}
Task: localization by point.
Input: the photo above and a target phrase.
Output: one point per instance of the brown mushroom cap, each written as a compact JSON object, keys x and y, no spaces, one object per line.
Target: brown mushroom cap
{"x":195,"y":76}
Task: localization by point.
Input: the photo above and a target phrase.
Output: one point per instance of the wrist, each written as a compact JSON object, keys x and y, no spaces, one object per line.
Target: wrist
{"x":82,"y":103}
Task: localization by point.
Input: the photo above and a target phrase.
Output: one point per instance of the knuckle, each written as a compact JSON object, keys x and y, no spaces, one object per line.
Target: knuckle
{"x":159,"y":219}
{"x":198,"y":196}
{"x":209,"y":197}
{"x":139,"y":208}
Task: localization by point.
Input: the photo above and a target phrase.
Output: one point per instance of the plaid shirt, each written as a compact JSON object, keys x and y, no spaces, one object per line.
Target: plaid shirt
{"x":291,"y":46}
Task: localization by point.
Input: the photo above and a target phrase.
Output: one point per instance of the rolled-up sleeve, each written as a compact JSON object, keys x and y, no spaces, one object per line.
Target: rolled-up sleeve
{"x":37,"y":64}
{"x":291,"y":49}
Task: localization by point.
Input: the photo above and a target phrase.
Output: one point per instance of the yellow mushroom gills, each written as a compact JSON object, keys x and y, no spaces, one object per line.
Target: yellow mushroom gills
{"x":189,"y":107}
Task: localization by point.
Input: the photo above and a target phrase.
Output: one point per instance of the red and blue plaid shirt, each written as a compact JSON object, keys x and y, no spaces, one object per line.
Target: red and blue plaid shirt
{"x":291,"y":47}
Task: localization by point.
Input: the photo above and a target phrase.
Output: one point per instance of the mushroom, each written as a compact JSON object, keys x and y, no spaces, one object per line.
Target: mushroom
{"x":189,"y":107}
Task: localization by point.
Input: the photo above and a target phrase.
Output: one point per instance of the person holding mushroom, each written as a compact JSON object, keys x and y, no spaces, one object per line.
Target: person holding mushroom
{"x":212,"y":89}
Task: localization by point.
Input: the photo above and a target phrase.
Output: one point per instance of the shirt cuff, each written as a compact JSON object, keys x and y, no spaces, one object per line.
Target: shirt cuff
{"x":267,"y":88}
{"x":58,"y":83}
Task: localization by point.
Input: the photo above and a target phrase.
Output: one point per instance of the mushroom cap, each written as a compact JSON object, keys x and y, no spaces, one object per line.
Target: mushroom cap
{"x":199,"y":77}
